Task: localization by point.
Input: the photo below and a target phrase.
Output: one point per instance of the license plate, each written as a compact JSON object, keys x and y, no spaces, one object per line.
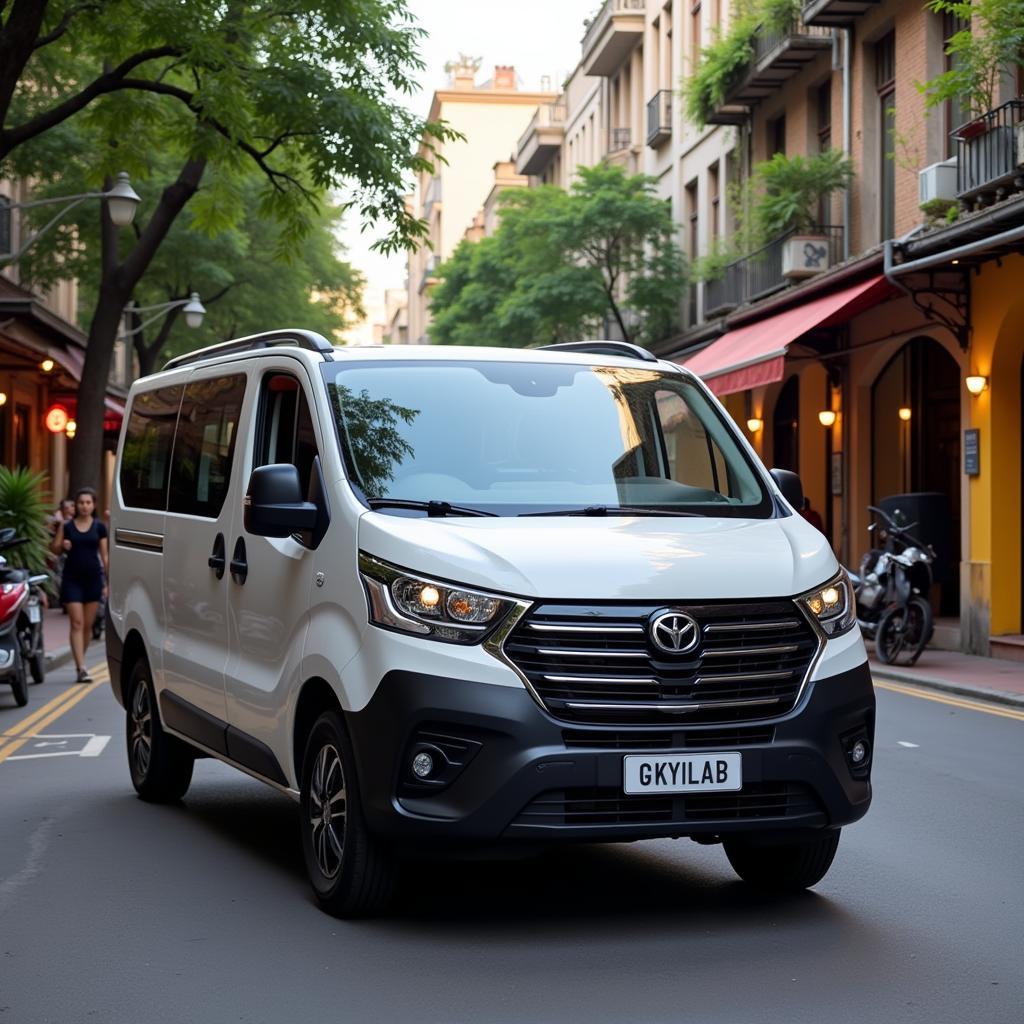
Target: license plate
{"x":34,"y":613}
{"x":682,"y":773}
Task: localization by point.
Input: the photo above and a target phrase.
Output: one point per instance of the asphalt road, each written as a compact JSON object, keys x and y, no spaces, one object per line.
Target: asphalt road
{"x":115,"y":911}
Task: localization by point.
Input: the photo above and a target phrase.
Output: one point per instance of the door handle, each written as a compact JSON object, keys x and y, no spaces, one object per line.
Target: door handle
{"x":239,"y":566}
{"x":216,"y":559}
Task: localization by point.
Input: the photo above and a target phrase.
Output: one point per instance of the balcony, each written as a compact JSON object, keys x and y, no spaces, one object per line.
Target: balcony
{"x":761,"y":273}
{"x":659,"y":118}
{"x":619,"y":139}
{"x":989,"y":152}
{"x":611,"y":36}
{"x":835,"y":12}
{"x":431,"y":196}
{"x":429,"y":276}
{"x":542,"y":140}
{"x":777,"y":57}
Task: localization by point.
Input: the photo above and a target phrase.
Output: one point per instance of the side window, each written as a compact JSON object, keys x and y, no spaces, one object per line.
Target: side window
{"x":146,"y":455}
{"x":205,"y":445}
{"x":693,"y":456}
{"x":285,"y":431}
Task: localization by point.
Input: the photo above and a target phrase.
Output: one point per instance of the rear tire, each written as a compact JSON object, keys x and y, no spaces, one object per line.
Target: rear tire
{"x":37,"y":664}
{"x":161,"y":765}
{"x":19,"y":679}
{"x":352,"y":873}
{"x":789,"y":867}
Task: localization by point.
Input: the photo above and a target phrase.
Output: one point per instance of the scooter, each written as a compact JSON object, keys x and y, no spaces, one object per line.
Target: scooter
{"x":22,"y":652}
{"x":891,"y":590}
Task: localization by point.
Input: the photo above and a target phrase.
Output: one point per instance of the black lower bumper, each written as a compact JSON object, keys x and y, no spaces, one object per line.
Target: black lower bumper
{"x":504,"y":768}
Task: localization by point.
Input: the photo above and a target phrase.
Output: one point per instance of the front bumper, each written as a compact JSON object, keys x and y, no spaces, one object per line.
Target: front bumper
{"x":518,"y":773}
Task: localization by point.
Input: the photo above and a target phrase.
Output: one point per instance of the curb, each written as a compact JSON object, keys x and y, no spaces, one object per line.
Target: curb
{"x":1013,"y":700}
{"x":57,"y":657}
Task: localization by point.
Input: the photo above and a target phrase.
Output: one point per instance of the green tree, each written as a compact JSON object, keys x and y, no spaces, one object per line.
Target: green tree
{"x":561,"y":263}
{"x":304,"y":91}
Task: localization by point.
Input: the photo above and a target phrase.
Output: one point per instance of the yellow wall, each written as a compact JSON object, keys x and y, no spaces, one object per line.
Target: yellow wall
{"x":993,"y":573}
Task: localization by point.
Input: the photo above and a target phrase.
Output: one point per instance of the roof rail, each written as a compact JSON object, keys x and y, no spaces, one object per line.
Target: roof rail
{"x":605,"y":348}
{"x":302,"y":339}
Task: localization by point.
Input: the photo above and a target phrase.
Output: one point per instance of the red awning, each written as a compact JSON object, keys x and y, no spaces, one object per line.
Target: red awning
{"x":754,"y":355}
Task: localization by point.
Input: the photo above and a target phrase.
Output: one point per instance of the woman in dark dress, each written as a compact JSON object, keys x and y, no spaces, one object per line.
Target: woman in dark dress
{"x":83,"y":541}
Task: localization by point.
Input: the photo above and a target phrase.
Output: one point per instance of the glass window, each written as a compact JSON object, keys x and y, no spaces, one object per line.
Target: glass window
{"x":146,"y":454}
{"x":286,"y":427}
{"x":512,"y":437}
{"x":204,"y":446}
{"x":885,"y":83}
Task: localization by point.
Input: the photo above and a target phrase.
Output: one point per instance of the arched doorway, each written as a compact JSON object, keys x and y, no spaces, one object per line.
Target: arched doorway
{"x":786,"y":427}
{"x":915,"y":441}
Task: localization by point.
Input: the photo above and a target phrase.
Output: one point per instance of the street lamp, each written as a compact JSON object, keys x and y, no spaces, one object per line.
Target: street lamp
{"x":121,"y":199}
{"x":193,"y":309}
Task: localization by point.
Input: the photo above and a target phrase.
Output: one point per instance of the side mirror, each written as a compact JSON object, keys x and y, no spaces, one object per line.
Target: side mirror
{"x":789,"y":484}
{"x":274,"y":506}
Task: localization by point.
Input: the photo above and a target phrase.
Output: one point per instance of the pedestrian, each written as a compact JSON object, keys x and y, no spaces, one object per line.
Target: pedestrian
{"x":83,"y":539}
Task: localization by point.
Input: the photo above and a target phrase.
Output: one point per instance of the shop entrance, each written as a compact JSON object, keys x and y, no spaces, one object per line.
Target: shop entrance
{"x":916,"y":448}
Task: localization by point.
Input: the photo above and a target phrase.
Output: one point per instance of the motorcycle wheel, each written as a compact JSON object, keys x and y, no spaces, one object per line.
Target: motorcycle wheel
{"x":37,"y":664}
{"x":903,"y":632}
{"x":19,"y":681}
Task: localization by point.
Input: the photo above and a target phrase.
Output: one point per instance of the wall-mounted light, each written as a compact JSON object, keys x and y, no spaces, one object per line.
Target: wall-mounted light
{"x":754,"y":424}
{"x":976,"y":383}
{"x":46,"y":365}
{"x":905,"y":413}
{"x":71,"y":428}
{"x":827,"y":417}
{"x":3,"y":397}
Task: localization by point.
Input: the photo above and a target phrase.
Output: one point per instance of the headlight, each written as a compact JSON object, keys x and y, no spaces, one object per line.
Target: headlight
{"x":411,"y":604}
{"x":832,"y":605}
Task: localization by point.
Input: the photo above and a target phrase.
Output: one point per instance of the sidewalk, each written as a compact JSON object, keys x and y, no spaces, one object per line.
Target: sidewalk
{"x":965,"y":674}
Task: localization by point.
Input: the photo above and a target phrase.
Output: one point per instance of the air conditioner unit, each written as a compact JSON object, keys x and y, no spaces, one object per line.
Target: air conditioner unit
{"x":937,"y":181}
{"x":804,"y":256}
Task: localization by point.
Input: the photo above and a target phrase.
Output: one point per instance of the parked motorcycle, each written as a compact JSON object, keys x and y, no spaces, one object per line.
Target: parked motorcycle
{"x":22,"y":652}
{"x":892,"y":589}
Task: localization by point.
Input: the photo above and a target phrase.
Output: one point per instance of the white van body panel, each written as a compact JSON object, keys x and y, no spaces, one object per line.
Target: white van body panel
{"x":609,"y":557}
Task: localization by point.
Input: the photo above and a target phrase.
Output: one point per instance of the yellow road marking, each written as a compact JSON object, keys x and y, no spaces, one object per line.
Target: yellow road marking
{"x":34,"y":724}
{"x":953,"y":701}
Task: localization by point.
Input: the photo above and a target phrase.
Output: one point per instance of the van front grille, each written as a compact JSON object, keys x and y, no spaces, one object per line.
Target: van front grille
{"x":599,"y":664}
{"x":607,"y":805}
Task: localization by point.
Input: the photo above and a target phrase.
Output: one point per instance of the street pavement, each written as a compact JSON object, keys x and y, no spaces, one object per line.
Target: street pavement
{"x":112,"y":910}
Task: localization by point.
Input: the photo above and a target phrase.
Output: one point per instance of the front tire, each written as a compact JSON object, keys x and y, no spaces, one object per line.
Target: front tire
{"x":903,"y":632}
{"x":19,"y":679}
{"x":161,"y":765}
{"x":789,"y":867}
{"x":352,"y":874}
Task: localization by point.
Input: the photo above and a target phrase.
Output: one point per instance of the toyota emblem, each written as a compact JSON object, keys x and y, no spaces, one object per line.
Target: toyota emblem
{"x":674,"y":632}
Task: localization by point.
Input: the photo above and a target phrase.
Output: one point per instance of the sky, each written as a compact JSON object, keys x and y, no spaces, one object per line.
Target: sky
{"x":539,"y":37}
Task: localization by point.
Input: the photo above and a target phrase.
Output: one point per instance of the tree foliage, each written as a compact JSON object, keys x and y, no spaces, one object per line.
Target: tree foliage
{"x":989,"y":47}
{"x":563,"y":262}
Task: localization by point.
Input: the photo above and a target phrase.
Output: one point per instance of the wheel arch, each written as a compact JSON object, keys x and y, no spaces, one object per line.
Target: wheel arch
{"x":316,"y":696}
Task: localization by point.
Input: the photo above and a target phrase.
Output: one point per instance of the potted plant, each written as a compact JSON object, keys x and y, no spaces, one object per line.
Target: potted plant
{"x":789,"y":192}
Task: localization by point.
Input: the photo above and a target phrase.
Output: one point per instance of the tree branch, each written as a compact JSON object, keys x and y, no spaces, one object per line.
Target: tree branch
{"x":110,"y":81}
{"x":62,"y":26}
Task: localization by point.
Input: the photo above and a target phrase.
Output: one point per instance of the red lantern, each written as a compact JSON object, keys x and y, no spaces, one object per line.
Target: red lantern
{"x":56,"y":419}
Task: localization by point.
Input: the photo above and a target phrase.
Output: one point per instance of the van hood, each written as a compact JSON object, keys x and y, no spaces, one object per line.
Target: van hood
{"x":608,"y":558}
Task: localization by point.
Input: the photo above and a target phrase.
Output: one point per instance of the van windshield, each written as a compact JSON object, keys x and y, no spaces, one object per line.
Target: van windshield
{"x":510,"y":438}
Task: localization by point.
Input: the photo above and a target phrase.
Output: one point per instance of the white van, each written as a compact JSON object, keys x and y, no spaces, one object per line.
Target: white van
{"x":473,"y":596}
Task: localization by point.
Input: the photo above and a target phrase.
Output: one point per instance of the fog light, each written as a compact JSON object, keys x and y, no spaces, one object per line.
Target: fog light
{"x":858,"y":753}
{"x":422,"y":765}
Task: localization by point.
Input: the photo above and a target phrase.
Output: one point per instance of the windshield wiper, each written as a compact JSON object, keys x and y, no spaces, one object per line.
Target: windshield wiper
{"x":434,"y":509}
{"x":611,"y":510}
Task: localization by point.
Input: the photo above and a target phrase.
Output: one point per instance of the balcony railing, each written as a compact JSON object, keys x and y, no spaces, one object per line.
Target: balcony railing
{"x":612,"y":34}
{"x":989,"y":150}
{"x":619,"y":139}
{"x":542,"y":139}
{"x":429,"y":276}
{"x":777,"y":57}
{"x":760,"y":273}
{"x":431,"y":196}
{"x":659,"y":117}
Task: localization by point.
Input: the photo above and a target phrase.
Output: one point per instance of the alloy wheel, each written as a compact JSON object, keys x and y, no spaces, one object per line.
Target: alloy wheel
{"x":141,"y":736}
{"x":327,"y":810}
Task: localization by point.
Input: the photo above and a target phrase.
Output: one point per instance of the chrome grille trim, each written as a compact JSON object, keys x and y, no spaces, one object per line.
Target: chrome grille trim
{"x":743,"y":627}
{"x":568,"y":653}
{"x":641,"y":680}
{"x":669,"y":707}
{"x":735,"y":652}
{"x":741,"y":677}
{"x":544,"y":627}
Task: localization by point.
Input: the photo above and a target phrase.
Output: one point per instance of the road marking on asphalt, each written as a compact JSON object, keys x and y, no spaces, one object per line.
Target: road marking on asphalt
{"x":956,"y":702}
{"x":35,"y":723}
{"x":92,"y":747}
{"x":907,"y":743}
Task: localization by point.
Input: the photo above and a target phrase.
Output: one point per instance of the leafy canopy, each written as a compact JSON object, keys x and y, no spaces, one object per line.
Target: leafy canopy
{"x":561,"y":263}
